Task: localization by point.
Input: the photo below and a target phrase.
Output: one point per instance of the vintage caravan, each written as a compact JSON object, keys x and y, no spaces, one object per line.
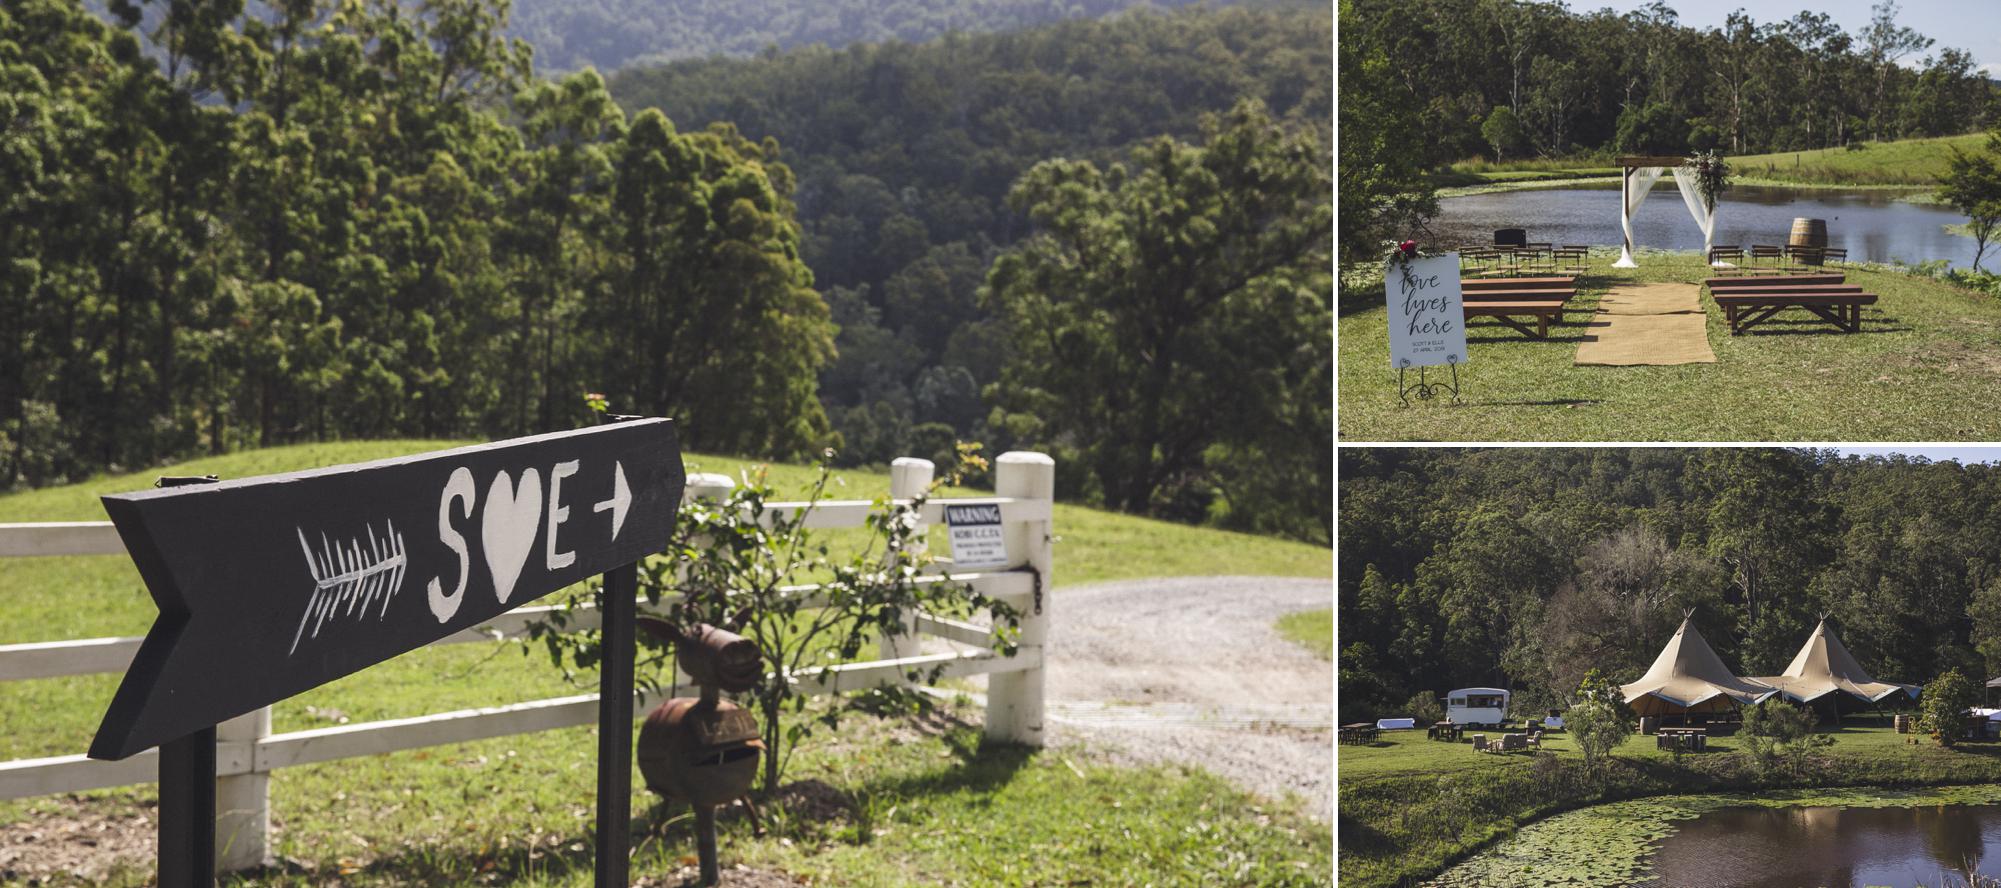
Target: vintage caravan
{"x":1477,"y":706}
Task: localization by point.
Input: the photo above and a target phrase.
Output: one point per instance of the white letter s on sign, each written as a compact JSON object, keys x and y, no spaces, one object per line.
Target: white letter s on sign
{"x":459,"y":487}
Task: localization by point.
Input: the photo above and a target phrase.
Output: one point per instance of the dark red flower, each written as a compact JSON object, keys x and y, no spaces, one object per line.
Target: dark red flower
{"x":1408,"y":248}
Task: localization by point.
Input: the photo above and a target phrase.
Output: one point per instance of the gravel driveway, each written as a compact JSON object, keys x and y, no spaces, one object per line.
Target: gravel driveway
{"x":1191,"y":671}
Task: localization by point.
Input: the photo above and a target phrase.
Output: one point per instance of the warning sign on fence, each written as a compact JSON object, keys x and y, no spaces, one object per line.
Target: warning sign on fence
{"x":977,"y":540}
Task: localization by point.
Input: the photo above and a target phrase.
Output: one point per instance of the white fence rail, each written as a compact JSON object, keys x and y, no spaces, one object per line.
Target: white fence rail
{"x":247,"y":752}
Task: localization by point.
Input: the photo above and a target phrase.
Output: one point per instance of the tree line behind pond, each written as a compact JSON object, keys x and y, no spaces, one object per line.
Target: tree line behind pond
{"x":1431,"y":82}
{"x":1526,"y":568}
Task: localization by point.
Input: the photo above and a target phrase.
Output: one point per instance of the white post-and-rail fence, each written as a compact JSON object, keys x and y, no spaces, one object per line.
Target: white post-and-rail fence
{"x":247,"y":752}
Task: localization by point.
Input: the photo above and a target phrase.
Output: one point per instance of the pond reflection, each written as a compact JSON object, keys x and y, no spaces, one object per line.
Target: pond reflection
{"x":1872,"y":225}
{"x":1774,"y":847}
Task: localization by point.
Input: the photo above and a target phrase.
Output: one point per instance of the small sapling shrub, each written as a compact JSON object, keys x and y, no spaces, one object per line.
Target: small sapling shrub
{"x":807,"y":604}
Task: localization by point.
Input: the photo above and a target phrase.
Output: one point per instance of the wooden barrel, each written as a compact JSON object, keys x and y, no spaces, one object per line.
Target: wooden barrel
{"x":1808,"y":233}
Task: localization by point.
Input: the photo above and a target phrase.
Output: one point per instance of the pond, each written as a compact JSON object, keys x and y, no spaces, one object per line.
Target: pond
{"x":1773,"y":847}
{"x":1873,"y":226}
{"x":1848,"y":838}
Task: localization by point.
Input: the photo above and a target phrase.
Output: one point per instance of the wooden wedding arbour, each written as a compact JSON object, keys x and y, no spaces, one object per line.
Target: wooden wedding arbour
{"x":1650,"y":167}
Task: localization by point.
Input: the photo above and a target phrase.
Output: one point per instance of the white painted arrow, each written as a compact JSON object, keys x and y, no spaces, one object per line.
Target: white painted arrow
{"x":621,"y":497}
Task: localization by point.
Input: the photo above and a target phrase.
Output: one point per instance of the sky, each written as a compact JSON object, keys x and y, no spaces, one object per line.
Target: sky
{"x":1971,"y":25}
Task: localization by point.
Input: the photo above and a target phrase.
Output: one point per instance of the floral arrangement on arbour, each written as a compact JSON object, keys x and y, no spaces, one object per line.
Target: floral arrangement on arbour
{"x":1712,"y":176}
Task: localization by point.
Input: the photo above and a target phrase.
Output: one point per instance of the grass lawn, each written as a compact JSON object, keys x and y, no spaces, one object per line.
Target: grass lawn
{"x":1926,"y":367}
{"x":1903,"y":162}
{"x":1313,"y":630}
{"x":1409,"y":807}
{"x":890,"y":802}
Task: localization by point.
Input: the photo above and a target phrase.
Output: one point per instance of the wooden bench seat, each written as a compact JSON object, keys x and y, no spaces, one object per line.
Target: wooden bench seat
{"x":1543,"y":310}
{"x":1747,"y":310}
{"x":1782,"y":290}
{"x":1505,"y":300}
{"x":1515,"y":295}
{"x":1774,"y":279}
{"x":1519,"y":283}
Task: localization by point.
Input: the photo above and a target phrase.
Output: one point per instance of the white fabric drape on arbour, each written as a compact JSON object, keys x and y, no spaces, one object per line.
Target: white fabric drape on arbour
{"x":1639,"y":185}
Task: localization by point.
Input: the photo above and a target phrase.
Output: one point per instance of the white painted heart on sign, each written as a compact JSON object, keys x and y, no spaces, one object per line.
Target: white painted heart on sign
{"x":507,"y":527}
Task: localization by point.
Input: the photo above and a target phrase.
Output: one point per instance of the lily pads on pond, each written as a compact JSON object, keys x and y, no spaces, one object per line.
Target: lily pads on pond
{"x":1611,"y":844}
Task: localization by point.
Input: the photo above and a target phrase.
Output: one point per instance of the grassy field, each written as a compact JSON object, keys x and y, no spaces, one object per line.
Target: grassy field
{"x":883,"y":802}
{"x":1905,"y":162}
{"x":1409,"y":808}
{"x":1313,"y":630}
{"x":1926,"y":367}
{"x":1900,"y":164}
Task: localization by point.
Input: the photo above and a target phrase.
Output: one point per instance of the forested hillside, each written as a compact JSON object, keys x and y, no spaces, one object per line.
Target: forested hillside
{"x":905,"y":155}
{"x":1525,"y":568}
{"x":364,"y":223}
{"x":316,"y":220}
{"x":569,"y":35}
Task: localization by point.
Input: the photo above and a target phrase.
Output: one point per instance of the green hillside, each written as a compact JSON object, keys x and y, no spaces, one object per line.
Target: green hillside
{"x":905,"y":153}
{"x":1904,"y":162}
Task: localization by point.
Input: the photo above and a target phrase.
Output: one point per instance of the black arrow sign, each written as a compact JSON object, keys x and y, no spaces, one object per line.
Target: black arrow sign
{"x":271,"y":586}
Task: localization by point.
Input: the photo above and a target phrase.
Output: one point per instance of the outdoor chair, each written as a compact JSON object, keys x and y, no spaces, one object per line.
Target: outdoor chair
{"x":1485,"y":260}
{"x":1835,"y":255}
{"x":1538,"y":259}
{"x":1480,"y":743}
{"x":1766,"y":255}
{"x":1569,"y":260}
{"x":1514,"y":742}
{"x":1804,"y":260}
{"x":1733,"y":255}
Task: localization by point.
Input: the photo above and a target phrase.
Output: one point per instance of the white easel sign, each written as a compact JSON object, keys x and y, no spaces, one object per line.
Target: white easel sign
{"x":1427,"y":318}
{"x":976,"y":535}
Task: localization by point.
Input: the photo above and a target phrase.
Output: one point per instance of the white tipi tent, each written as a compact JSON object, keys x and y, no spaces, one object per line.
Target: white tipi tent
{"x":1824,"y":666}
{"x":1689,"y":677}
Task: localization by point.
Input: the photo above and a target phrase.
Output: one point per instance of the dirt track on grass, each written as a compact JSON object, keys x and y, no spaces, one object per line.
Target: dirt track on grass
{"x":1191,"y":671}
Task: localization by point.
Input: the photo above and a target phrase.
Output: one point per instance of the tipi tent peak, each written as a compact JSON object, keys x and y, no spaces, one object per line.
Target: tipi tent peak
{"x":1688,"y":676}
{"x":1823,"y":666}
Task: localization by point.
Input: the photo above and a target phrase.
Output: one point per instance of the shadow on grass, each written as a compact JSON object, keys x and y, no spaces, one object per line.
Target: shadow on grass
{"x":982,"y":766}
{"x":661,"y":837}
{"x":1819,"y":328}
{"x":1553,"y":402}
{"x":1502,"y":334}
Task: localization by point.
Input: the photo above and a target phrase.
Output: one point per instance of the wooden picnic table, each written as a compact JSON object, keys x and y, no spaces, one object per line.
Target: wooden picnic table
{"x":1446,"y":731}
{"x":1357,"y":733}
{"x":1541,"y":298}
{"x":1750,"y":301}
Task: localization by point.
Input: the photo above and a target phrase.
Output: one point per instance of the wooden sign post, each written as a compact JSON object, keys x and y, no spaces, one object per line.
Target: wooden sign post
{"x":268,"y":587}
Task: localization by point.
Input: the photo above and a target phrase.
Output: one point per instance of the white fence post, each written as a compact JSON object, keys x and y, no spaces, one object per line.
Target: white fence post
{"x":909,"y":478}
{"x":243,"y":801}
{"x":707,"y":485}
{"x":1014,"y":699}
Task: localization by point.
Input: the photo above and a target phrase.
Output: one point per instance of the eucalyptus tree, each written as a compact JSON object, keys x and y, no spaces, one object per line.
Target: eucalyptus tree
{"x":1163,"y":309}
{"x":1884,"y":43}
{"x":705,"y":309}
